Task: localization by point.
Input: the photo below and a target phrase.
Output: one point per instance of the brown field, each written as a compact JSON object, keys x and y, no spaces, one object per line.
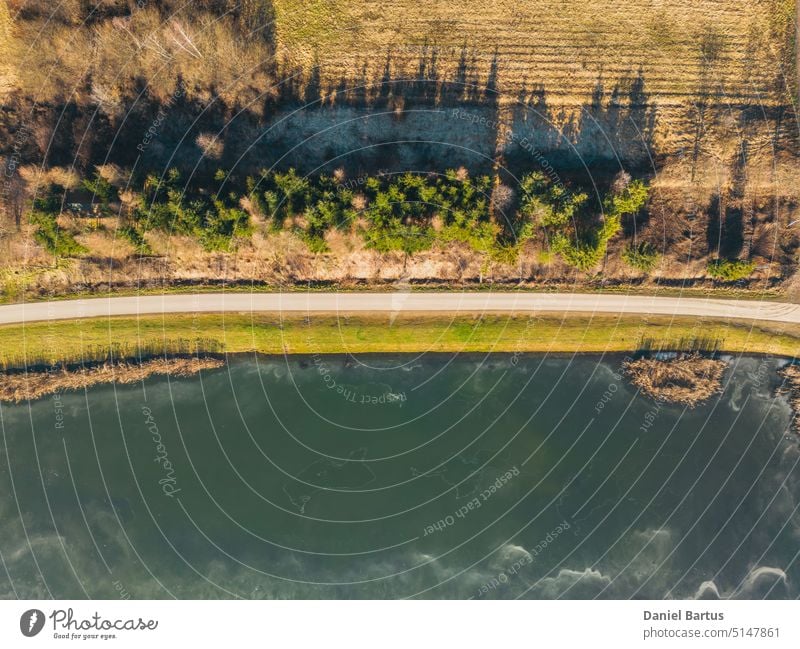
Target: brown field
{"x":685,"y":50}
{"x":686,"y":83}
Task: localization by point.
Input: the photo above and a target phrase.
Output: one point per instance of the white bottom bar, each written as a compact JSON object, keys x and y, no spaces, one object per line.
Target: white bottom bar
{"x":386,"y":625}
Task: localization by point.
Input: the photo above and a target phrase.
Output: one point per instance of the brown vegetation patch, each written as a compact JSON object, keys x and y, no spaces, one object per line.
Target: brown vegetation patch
{"x":34,"y":385}
{"x":791,"y":388}
{"x":688,"y":380}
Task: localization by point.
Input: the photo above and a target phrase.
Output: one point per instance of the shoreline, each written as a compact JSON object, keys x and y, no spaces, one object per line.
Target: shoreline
{"x":685,"y":378}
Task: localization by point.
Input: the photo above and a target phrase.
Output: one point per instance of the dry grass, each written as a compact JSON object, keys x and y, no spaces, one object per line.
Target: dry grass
{"x":105,"y":246}
{"x":731,"y":52}
{"x":711,"y":72}
{"x":683,"y":48}
{"x":114,"y":174}
{"x":791,"y":388}
{"x":688,"y":380}
{"x":25,"y":386}
{"x":7,"y":71}
{"x":283,"y":260}
{"x":53,"y":59}
{"x":38,"y":177}
{"x":210,"y":145}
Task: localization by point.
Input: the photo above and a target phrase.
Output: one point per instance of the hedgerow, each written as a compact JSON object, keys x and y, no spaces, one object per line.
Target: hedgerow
{"x":405,"y":213}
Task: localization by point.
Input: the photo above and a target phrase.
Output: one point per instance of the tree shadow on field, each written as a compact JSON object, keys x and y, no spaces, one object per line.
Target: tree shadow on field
{"x":612,"y":129}
{"x":404,"y":114}
{"x":726,"y":226}
{"x":422,"y":107}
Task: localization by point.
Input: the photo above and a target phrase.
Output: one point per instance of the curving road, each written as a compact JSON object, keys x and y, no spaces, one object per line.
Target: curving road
{"x":397,"y":302}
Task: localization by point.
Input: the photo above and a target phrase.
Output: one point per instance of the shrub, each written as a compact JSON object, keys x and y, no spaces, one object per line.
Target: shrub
{"x":211,"y":145}
{"x":545,"y":256}
{"x":292,"y":193}
{"x":643,"y":256}
{"x":221,"y":225}
{"x":49,"y":201}
{"x":581,"y":254}
{"x":400,"y":211}
{"x":578,"y":234}
{"x":728,"y":270}
{"x":406,"y":213}
{"x":136,"y":239}
{"x":102,"y":190}
{"x":549,"y":204}
{"x":408,"y":239}
{"x":627,"y":201}
{"x":55,"y":240}
{"x":481,"y":237}
{"x":315,"y":243}
{"x":505,"y":253}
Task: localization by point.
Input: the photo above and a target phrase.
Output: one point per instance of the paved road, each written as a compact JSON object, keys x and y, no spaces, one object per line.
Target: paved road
{"x":398,"y":302}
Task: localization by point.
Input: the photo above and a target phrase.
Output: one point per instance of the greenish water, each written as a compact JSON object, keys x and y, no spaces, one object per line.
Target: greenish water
{"x":399,"y":476}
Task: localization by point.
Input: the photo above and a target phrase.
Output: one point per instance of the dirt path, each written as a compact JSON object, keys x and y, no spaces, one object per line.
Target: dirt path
{"x":401,"y":302}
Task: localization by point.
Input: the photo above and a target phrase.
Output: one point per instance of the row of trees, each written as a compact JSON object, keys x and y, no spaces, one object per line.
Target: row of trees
{"x":411,"y":212}
{"x":169,"y":205}
{"x":392,"y":212}
{"x":407,"y":212}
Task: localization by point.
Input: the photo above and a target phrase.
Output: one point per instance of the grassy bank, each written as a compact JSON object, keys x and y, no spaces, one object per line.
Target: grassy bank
{"x":97,"y":339}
